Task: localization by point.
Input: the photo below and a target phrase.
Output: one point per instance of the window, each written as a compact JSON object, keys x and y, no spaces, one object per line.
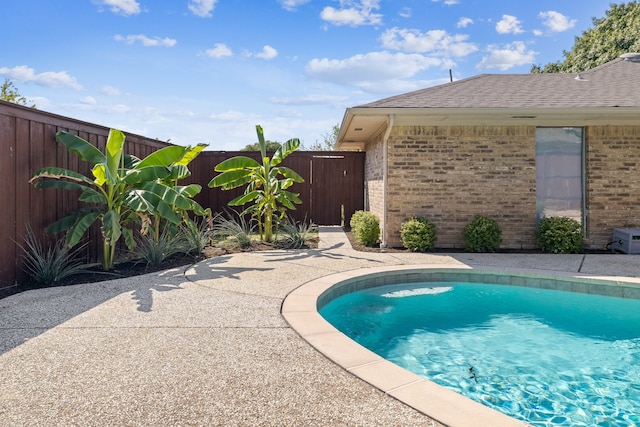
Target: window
{"x":559,"y":173}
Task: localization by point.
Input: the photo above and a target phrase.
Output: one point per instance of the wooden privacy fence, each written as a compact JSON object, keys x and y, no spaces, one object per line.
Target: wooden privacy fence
{"x":332,"y":190}
{"x":333,"y":187}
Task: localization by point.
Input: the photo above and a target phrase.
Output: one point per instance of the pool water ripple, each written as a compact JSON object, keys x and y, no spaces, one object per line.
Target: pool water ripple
{"x":546,"y":357}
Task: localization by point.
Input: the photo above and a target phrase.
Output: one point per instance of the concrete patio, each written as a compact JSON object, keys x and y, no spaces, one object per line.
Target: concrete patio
{"x":207,"y":345}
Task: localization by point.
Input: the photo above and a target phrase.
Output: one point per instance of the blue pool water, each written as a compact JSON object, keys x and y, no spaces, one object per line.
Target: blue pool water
{"x":550,"y":358}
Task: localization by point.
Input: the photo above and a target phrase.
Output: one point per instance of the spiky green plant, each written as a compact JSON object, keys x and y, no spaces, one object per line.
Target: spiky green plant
{"x":50,"y":264}
{"x":155,"y":250}
{"x":233,"y":229}
{"x":296,"y":235}
{"x":197,"y":235}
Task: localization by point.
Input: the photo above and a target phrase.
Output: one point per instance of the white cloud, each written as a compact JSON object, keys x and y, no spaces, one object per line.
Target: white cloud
{"x":353,"y":13}
{"x":374,"y":71}
{"x":556,"y":22}
{"x":315,"y":99}
{"x":202,"y":8}
{"x":55,"y":79}
{"x":464,"y":22}
{"x":509,"y":25}
{"x":124,"y":7}
{"x":511,"y":55}
{"x":538,"y":33}
{"x":110,"y":91}
{"x":220,"y":50}
{"x":438,"y":41}
{"x":146,"y":41}
{"x":292,"y":5}
{"x":405,"y":12}
{"x":447,"y":2}
{"x":267,"y":53}
{"x":89,"y":100}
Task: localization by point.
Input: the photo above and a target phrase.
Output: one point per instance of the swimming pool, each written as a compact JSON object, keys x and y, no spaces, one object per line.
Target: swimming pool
{"x":301,"y":311}
{"x":546,"y":357}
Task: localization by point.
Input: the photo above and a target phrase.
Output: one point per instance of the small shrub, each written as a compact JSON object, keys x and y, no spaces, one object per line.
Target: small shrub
{"x":233,"y":230}
{"x":560,"y":235}
{"x":156,"y":250}
{"x":418,"y":234}
{"x":365,"y":227}
{"x":296,"y":235}
{"x":482,"y":234}
{"x":49,"y":265}
{"x":197,"y":236}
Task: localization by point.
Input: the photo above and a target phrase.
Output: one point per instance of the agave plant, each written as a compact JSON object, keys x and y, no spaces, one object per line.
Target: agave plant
{"x":50,"y":264}
{"x":122,"y":190}
{"x":267,"y":192}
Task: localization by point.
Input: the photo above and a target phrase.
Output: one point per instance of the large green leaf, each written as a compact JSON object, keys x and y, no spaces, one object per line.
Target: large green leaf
{"x":190,"y":154}
{"x":199,"y":210}
{"x":244,"y":198}
{"x":167,"y":194}
{"x":178,"y":172}
{"x":130,"y":161}
{"x":163,"y":157}
{"x":111,"y":228}
{"x":287,"y":198}
{"x":285,"y":149}
{"x":190,"y":190}
{"x":238,"y":162}
{"x":167,"y":212}
{"x":114,"y":153}
{"x":129,"y":239}
{"x":142,"y":201}
{"x":85,"y":150}
{"x":59,"y":173}
{"x":289,"y":173}
{"x":261,"y":142}
{"x":76,"y":232}
{"x":149,"y":201}
{"x":90,"y":195}
{"x":70,"y":219}
{"x":100,"y":173}
{"x":65,"y":185}
{"x":144,"y":174}
{"x":232,"y":178}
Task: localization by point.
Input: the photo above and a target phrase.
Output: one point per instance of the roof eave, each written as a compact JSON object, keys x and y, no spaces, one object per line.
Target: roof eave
{"x":361,"y":124}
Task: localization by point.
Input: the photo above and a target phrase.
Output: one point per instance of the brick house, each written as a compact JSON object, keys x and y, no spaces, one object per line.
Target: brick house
{"x":513,"y":147}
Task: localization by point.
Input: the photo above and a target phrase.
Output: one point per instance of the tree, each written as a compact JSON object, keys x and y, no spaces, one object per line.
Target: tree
{"x":271,"y":146}
{"x":265,"y":190}
{"x":9,"y":92}
{"x":329,"y":143}
{"x":617,"y":33}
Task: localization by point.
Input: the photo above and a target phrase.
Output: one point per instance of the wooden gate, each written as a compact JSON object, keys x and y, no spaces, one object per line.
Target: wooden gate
{"x":337,"y":188}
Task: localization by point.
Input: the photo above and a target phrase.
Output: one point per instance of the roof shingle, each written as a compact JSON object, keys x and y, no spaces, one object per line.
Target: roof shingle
{"x":614,"y":84}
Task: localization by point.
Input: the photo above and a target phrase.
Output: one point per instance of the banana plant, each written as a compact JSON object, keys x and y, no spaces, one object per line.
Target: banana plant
{"x":267,"y":192}
{"x":122,"y":190}
{"x":177,"y":158}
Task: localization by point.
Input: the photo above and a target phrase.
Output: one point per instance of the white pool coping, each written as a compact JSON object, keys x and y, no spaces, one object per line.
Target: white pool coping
{"x":300,"y":309}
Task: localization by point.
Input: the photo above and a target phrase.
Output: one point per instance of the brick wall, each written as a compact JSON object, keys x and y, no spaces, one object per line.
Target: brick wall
{"x":451,"y":174}
{"x":374,"y":185}
{"x":613,"y":181}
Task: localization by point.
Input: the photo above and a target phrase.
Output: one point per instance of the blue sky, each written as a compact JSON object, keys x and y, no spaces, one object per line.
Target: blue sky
{"x":208,"y":71}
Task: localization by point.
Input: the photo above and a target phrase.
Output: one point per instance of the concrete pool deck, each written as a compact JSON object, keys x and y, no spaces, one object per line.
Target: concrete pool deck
{"x":208,"y":345}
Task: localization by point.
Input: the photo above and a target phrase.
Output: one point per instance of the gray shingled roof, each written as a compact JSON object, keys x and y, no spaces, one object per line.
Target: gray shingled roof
{"x":614,"y":84}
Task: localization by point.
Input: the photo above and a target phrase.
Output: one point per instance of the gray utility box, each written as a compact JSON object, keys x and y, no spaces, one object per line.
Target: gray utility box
{"x":626,"y":240}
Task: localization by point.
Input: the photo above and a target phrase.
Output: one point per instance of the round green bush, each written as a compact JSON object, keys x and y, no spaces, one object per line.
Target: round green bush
{"x":365,"y":227}
{"x":418,"y":234}
{"x":482,"y":234}
{"x":560,"y":235}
